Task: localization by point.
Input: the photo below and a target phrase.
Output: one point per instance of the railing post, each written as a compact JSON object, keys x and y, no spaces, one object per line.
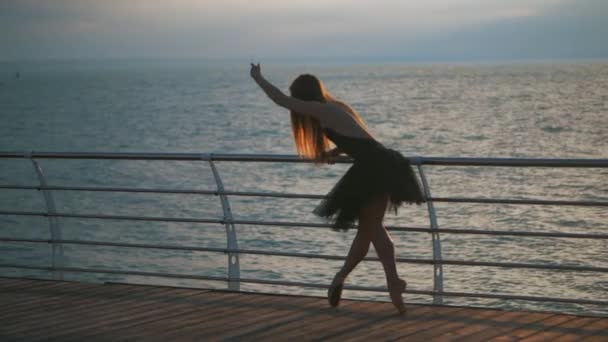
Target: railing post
{"x":234,"y":267}
{"x":57,"y":260}
{"x":436,"y":241}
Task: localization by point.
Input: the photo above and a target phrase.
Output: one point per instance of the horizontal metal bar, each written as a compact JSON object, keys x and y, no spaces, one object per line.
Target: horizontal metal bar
{"x":174,"y":247}
{"x":108,"y":271}
{"x":520,"y":201}
{"x":104,"y":155}
{"x":433,"y":293}
{"x":524,"y":298}
{"x":311,"y":285}
{"x":113,"y":217}
{"x":286,"y":224}
{"x":517,"y":265}
{"x":521,"y":162}
{"x":414,"y":160}
{"x":163,"y":191}
{"x":161,"y":156}
{"x":321,"y":256}
{"x":517,"y":233}
{"x":109,"y":189}
{"x":117,"y":244}
{"x":296,"y":195}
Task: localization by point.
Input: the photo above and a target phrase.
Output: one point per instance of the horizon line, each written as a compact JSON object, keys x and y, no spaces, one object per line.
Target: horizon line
{"x":311,"y":59}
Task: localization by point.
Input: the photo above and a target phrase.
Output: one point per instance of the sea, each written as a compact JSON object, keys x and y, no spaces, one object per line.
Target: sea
{"x":539,"y":109}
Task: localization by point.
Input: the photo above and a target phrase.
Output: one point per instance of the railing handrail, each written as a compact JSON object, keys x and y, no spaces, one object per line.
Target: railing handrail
{"x":233,"y":251}
{"x":414,"y":160}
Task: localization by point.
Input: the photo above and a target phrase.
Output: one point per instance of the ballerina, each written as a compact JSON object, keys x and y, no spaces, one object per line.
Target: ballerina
{"x":379,"y":179}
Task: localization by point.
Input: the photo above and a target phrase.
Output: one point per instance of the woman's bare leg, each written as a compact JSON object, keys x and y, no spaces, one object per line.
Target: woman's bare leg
{"x":369,"y":218}
{"x":358,"y":250}
{"x":372,"y":216}
{"x":371,"y":230}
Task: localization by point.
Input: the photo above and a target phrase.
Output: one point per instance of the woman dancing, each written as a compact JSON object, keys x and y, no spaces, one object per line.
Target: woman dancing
{"x":379,"y":178}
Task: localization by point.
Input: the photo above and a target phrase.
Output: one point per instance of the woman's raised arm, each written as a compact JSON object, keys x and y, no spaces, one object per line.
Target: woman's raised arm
{"x":318,"y":110}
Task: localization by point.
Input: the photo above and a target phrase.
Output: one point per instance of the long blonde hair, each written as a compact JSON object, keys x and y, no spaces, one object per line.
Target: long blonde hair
{"x":308,"y":135}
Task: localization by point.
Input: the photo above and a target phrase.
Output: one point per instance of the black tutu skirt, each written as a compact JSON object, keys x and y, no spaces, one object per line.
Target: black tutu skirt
{"x":382,"y":172}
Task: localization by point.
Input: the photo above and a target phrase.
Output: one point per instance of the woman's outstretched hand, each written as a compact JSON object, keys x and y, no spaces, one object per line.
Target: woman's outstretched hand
{"x":271,"y":91}
{"x":328,"y":159}
{"x":256,"y":71}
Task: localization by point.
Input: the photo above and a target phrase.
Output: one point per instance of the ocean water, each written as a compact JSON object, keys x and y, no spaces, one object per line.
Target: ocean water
{"x":548,"y":110}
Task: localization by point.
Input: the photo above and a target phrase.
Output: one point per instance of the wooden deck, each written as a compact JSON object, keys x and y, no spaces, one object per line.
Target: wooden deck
{"x":66,"y":311}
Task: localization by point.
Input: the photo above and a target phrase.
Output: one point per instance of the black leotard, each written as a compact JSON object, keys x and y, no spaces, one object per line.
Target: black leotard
{"x":376,"y":170}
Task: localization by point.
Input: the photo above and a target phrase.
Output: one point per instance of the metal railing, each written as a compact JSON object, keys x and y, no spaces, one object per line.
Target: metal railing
{"x":232,"y":250}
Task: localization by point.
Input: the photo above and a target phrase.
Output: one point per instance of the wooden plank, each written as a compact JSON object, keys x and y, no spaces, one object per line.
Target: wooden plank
{"x":286,"y":310}
{"x":405,"y":325}
{"x":438,"y":323}
{"x":527,"y":321}
{"x":462,"y":323}
{"x":322,"y":314}
{"x":209,"y":329}
{"x":555,"y":320}
{"x":308,"y":326}
{"x":338,"y":322}
{"x":596,"y":331}
{"x":208,"y":314}
{"x":154,"y":313}
{"x":177,"y":290}
{"x":12,"y":282}
{"x":206,"y":319}
{"x":112,"y":315}
{"x":332,"y":321}
{"x":15,"y":299}
{"x":246,"y":312}
{"x":31,"y":285}
{"x":60,"y":297}
{"x":291,"y":309}
{"x":76,"y":311}
{"x":183,"y":318}
{"x":21,"y":321}
{"x":504,"y":323}
{"x":490,"y":321}
{"x":80,"y":313}
{"x":284,"y":328}
{"x":574,"y":335}
{"x":24,"y":302}
{"x":273,"y":318}
{"x":376,"y":327}
{"x":123,"y":324}
{"x":528,"y":329}
{"x":57,"y":289}
{"x":71,"y":312}
{"x":7,"y":283}
{"x":569,"y":330}
{"x":52,"y":305}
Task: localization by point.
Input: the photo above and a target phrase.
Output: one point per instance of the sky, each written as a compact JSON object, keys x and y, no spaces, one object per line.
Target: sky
{"x":408,"y":30}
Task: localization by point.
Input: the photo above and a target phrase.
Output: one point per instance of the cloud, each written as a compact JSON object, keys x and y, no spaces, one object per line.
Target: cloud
{"x":245,"y":28}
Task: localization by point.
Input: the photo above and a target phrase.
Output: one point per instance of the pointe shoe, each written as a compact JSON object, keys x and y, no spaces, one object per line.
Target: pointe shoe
{"x":397,"y":299}
{"x":334,"y":293}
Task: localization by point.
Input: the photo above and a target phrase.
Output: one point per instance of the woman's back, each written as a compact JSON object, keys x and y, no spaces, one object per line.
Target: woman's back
{"x":355,"y":147}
